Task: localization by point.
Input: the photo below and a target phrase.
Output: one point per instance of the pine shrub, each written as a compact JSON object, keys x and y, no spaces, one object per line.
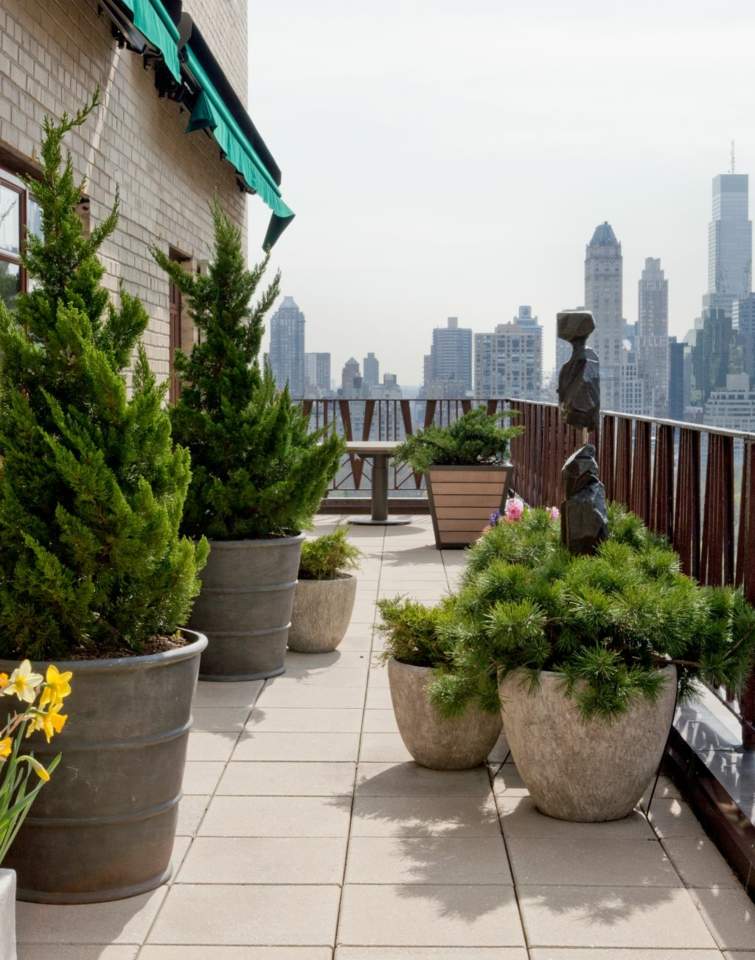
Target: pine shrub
{"x":91,"y":489}
{"x":257,"y":471}
{"x":329,"y":556}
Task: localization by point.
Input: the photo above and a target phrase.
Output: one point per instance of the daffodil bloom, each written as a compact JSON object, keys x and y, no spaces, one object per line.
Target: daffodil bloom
{"x":53,"y":721}
{"x":6,"y":747}
{"x":3,"y":681}
{"x":57,"y":686}
{"x":37,"y":767}
{"x":24,"y":683}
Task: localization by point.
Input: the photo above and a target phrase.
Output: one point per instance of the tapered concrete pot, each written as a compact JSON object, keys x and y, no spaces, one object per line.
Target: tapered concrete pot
{"x":103,"y":827}
{"x":585,"y":770}
{"x":244,"y":607}
{"x":437,"y":742}
{"x":322,"y":613}
{"x":7,"y":915}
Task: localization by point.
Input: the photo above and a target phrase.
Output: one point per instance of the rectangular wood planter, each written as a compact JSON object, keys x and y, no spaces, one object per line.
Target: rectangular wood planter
{"x":462,"y":499}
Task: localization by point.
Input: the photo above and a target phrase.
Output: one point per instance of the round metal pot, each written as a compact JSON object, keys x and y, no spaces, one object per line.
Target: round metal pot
{"x":103,"y":827}
{"x":244,"y":607}
{"x":583,"y":769}
{"x":322,"y":613}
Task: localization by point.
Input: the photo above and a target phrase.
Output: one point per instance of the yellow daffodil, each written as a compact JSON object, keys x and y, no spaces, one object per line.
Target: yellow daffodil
{"x":57,"y":686}
{"x":37,"y":767}
{"x":24,"y":683}
{"x":6,"y":747}
{"x":3,"y":681}
{"x":53,"y":721}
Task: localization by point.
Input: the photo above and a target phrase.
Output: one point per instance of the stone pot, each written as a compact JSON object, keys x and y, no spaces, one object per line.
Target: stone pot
{"x":322,"y":613}
{"x":577,"y":769}
{"x":7,"y":915}
{"x":244,"y":607}
{"x":434,"y":741}
{"x":103,"y":827}
{"x":462,"y":498}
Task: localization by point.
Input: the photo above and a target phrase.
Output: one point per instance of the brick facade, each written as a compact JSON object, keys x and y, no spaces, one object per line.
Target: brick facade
{"x":53,"y":53}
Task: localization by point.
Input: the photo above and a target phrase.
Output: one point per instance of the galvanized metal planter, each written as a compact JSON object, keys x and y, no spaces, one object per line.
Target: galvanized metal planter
{"x":322,"y":613}
{"x":7,"y":915}
{"x":103,"y":828}
{"x":462,"y":499}
{"x":245,"y":605}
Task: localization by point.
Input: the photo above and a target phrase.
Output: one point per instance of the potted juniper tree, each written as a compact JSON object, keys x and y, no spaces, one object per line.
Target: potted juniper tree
{"x":258,"y":474}
{"x":93,"y":571}
{"x":467,"y":472}
{"x":588,"y":655}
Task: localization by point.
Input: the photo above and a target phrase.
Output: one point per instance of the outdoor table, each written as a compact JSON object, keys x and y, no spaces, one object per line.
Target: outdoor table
{"x":380,"y":452}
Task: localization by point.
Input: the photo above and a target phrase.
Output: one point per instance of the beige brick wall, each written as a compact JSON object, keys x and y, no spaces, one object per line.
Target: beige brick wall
{"x":52,"y":55}
{"x":223,"y":23}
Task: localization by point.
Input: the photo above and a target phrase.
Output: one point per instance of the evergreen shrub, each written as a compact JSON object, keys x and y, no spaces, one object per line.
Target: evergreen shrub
{"x":329,"y":556}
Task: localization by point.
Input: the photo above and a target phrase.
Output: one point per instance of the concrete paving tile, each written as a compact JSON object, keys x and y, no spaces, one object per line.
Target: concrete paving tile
{"x":297,"y":663}
{"x":190,"y":812}
{"x":120,"y":921}
{"x":292,"y":720}
{"x":521,"y":818}
{"x":568,"y":953}
{"x":357,"y":642}
{"x":214,"y":694}
{"x":585,"y":861}
{"x":240,"y":915}
{"x":664,"y":790}
{"x":80,"y":952}
{"x":378,"y":677}
{"x":201,"y":777}
{"x":432,"y":953}
{"x":730,"y":916}
{"x":383,"y":748}
{"x":500,"y":752}
{"x":737,"y":955}
{"x":673,"y":818}
{"x":380,"y":721}
{"x":219,"y":719}
{"x":454,"y":916}
{"x":264,"y":860}
{"x":234,"y":953}
{"x":425,"y":816}
{"x":301,"y":696}
{"x":343,"y":677}
{"x":379,"y":698}
{"x":699,"y":862}
{"x":277,"y":817}
{"x":204,"y":746}
{"x":409,"y":779}
{"x":589,"y":916}
{"x":254,"y":745}
{"x":306,"y":779}
{"x":427,"y":860}
{"x":181,"y":847}
{"x":508,"y":782}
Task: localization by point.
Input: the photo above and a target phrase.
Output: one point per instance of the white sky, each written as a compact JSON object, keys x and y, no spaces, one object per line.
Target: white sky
{"x":452,"y":157}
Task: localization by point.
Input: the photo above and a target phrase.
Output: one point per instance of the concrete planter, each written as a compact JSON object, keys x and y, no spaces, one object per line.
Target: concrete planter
{"x":577,"y":769}
{"x":462,"y":499}
{"x":7,"y":915}
{"x":322,"y":613}
{"x":103,"y":828}
{"x":435,"y":741}
{"x":245,"y":607}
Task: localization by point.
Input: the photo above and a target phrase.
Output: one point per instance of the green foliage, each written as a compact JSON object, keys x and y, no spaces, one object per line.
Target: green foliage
{"x":476,"y":437}
{"x":329,"y":556}
{"x":257,"y":471}
{"x":91,"y":489}
{"x":417,"y":634}
{"x":607,"y":622}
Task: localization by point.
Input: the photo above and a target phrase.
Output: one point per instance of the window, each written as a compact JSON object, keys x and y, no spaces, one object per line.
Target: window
{"x":19,"y":212}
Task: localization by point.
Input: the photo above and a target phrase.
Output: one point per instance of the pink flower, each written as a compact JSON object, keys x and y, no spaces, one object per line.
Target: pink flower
{"x":555,"y":513}
{"x":514,"y":509}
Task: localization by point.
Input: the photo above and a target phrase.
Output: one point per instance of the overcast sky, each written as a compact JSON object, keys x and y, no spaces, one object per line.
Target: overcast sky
{"x":453,"y":157}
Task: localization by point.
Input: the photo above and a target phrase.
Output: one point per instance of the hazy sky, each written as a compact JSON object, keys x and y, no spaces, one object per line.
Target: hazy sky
{"x":454,"y":157}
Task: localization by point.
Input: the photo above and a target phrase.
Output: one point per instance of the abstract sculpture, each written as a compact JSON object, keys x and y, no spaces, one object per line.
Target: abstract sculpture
{"x":584,"y":520}
{"x":579,"y":379}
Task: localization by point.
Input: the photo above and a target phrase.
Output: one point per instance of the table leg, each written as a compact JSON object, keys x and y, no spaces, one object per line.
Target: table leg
{"x":379,"y":488}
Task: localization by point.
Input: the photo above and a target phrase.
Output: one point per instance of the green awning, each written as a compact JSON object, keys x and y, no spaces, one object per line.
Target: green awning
{"x":152,"y":21}
{"x":210,"y":112}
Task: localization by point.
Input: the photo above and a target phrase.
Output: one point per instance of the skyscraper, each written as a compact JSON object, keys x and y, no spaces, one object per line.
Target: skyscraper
{"x":448,"y":366}
{"x":509,"y":361}
{"x":351,"y":378}
{"x":743,"y":319}
{"x":652,"y":338}
{"x":729,"y":243}
{"x":371,"y":370}
{"x":603,"y":297}
{"x":317,"y":373}
{"x":287,"y":347}
{"x":679,"y":379}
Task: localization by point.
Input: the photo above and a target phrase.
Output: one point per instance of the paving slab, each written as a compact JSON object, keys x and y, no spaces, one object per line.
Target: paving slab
{"x":383,"y":748}
{"x":409,"y":779}
{"x":277,"y":817}
{"x":432,"y":953}
{"x":699,"y":863}
{"x":730,"y":916}
{"x":424,"y":816}
{"x":38,"y":951}
{"x":233,"y":953}
{"x":298,"y":746}
{"x":294,"y":720}
{"x":521,"y":818}
{"x":428,"y":860}
{"x":569,"y":953}
{"x":264,"y":860}
{"x":289,"y":779}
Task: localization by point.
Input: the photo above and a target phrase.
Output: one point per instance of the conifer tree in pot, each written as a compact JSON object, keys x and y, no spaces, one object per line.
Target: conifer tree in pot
{"x":258,"y":474}
{"x":93,"y":571}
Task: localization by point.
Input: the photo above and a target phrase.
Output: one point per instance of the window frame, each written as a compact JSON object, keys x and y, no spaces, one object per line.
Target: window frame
{"x":11,"y":182}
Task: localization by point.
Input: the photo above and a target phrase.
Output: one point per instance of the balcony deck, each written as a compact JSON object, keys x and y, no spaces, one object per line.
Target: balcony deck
{"x":306,"y":833}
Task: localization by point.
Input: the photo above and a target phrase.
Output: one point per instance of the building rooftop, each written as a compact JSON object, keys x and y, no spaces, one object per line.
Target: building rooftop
{"x":603,"y":236}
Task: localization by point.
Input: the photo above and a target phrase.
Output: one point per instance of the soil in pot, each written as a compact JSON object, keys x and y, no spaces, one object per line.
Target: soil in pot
{"x":103,"y":827}
{"x":245,"y":606}
{"x":437,"y":742}
{"x":322,"y":613}
{"x":584,"y":769}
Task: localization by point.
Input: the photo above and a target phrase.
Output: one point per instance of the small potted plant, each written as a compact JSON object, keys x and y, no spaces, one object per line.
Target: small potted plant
{"x":589,"y":654}
{"x":258,"y":474}
{"x":94,"y":574}
{"x":467,"y":472}
{"x":42,"y":701}
{"x":440,"y":734}
{"x":325,"y":593}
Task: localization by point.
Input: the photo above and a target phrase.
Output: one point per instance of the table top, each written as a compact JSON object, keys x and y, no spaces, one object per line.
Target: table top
{"x":372,"y":448}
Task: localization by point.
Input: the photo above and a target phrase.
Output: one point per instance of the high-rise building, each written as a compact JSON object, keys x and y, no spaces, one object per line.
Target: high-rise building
{"x":317,"y":374}
{"x":743,"y":321}
{"x":509,"y":362}
{"x":603,"y":297}
{"x":652,"y":338}
{"x":448,"y":367}
{"x":711,"y":353}
{"x":729,"y":243}
{"x":679,"y":379}
{"x":633,"y":399}
{"x":732,"y":406}
{"x":371,"y":370}
{"x":287,"y":347}
{"x":351,"y":377}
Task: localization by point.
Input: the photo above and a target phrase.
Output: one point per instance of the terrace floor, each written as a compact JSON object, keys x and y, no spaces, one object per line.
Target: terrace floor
{"x":306,"y":833}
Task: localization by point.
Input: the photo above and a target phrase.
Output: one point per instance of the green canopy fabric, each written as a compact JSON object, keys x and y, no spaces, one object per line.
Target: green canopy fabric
{"x":152,"y":21}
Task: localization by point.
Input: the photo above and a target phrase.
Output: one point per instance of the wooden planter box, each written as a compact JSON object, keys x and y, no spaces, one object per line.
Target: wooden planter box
{"x":462,"y":499}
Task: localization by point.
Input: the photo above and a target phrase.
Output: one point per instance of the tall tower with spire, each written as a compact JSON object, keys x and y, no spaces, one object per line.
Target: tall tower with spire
{"x":729,"y":243}
{"x":652,"y":337}
{"x":603,"y":297}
